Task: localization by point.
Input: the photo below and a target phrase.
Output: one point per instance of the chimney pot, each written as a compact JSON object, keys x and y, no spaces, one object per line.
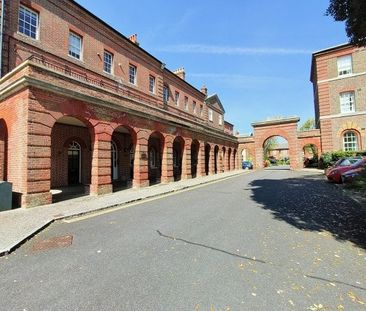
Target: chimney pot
{"x":133,"y":38}
{"x":180,"y":72}
{"x":204,"y":89}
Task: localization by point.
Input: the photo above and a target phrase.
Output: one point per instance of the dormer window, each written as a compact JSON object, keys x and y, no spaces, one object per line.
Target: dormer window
{"x":344,"y":64}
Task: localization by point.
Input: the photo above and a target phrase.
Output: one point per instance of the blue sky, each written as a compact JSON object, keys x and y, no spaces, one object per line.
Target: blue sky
{"x":255,"y":55}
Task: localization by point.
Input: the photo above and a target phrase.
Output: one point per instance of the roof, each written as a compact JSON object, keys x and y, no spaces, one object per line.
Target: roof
{"x":214,"y":99}
{"x":327,"y":50}
{"x":332,"y":48}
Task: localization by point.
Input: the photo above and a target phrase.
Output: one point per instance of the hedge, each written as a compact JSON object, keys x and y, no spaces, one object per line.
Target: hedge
{"x":328,"y":158}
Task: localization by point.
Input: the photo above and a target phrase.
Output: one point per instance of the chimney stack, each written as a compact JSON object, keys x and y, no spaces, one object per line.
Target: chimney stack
{"x":180,"y":72}
{"x":133,"y":38}
{"x":204,"y":89}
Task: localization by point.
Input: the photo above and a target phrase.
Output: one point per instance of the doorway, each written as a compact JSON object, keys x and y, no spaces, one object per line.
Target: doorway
{"x":74,"y":163}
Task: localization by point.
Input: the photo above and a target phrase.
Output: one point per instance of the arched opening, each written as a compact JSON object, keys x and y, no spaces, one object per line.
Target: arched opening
{"x":223,"y":159}
{"x":207,"y":158}
{"x":311,"y":155}
{"x":155,"y":155}
{"x":276,"y":152}
{"x":195,"y":147}
{"x":216,"y":158}
{"x":122,"y":157}
{"x":229,"y":159}
{"x":3,"y":151}
{"x":178,"y":147}
{"x":71,"y":158}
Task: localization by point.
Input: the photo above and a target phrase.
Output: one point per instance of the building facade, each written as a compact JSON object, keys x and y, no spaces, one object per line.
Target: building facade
{"x":82,"y":104}
{"x":338,"y":75}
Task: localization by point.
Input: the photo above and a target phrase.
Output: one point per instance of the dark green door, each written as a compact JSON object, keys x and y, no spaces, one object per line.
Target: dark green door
{"x":74,"y":167}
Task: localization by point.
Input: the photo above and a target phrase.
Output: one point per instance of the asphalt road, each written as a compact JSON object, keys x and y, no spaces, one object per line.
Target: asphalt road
{"x":268,"y":240}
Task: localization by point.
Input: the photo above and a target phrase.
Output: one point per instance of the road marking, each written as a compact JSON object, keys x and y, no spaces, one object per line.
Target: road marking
{"x":142,"y":201}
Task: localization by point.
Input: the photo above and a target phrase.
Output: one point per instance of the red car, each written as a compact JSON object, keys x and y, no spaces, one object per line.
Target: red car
{"x":335,"y":174}
{"x":348,"y":161}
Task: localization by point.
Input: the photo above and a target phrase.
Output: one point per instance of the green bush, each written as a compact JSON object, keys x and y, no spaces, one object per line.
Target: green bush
{"x":328,"y":158}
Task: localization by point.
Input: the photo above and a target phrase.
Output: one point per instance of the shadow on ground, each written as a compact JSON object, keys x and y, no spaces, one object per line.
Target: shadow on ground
{"x":310,"y":203}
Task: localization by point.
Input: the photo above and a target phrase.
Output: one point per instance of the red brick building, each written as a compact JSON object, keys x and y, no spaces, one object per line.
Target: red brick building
{"x":338,"y":75}
{"x":83,"y":104}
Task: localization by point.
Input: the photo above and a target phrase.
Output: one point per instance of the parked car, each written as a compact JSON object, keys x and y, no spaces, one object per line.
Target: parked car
{"x":272,"y":160}
{"x":342,"y":162}
{"x":335,"y":174}
{"x":247,"y":165}
{"x":348,"y":176}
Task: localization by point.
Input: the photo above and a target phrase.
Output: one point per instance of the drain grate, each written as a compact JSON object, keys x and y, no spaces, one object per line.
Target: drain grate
{"x":56,"y":242}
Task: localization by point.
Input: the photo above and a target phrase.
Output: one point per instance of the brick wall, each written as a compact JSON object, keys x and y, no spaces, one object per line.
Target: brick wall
{"x":58,"y":18}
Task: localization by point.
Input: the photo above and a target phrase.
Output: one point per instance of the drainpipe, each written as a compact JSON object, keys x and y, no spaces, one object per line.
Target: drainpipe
{"x":1,"y":36}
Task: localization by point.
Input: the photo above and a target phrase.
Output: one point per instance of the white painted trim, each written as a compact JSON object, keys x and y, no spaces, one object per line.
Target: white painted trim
{"x":352,"y":75}
{"x":341,"y":115}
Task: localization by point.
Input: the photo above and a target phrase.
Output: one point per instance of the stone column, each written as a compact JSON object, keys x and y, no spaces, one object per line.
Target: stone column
{"x":186,"y":160}
{"x":140,"y":164}
{"x":211,"y":165}
{"x":101,"y":179}
{"x":167,"y":173}
{"x":201,"y":160}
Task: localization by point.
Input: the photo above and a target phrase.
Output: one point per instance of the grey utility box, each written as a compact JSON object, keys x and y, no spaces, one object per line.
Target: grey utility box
{"x":5,"y":195}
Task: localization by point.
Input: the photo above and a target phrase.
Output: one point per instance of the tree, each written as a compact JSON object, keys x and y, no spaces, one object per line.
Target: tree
{"x":353,"y":13}
{"x":268,"y":145}
{"x":309,"y":124}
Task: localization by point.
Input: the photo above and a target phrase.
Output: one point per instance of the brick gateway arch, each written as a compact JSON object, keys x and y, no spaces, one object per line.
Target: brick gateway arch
{"x":251,"y":147}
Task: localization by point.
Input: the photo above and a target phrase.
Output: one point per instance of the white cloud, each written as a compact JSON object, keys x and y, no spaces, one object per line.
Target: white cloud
{"x":238,"y":77}
{"x":228,"y":50}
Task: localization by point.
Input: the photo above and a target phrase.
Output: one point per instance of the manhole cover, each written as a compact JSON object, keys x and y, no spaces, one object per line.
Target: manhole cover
{"x":57,"y":242}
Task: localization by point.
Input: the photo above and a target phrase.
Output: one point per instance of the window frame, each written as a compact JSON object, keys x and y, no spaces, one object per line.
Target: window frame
{"x":176,"y":98}
{"x":152,"y":86}
{"x":111,"y":62}
{"x":132,"y":75}
{"x":220,"y":119}
{"x":344,"y":70}
{"x":210,"y":114}
{"x":194,"y":107}
{"x":75,"y":35}
{"x":166,"y":93}
{"x":347,"y":142}
{"x":23,"y":7}
{"x":347,"y":101}
{"x":186,"y":106}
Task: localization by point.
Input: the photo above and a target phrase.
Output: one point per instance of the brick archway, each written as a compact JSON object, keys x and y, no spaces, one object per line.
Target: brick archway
{"x":286,"y":128}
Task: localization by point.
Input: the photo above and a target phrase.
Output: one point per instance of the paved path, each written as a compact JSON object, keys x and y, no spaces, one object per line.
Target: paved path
{"x":18,"y":225}
{"x":269,"y":240}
